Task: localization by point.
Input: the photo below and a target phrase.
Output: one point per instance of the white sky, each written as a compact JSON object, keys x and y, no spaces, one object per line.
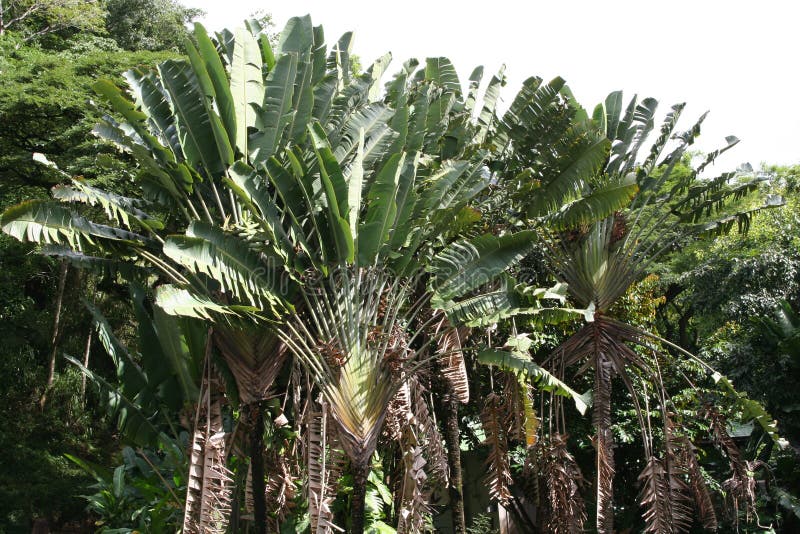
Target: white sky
{"x":736,"y":58}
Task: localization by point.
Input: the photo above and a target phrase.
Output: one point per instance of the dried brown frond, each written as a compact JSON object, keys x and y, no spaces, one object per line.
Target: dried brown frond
{"x":564,"y":509}
{"x":332,"y":354}
{"x":249,"y":505}
{"x":398,"y":413}
{"x":532,"y":479}
{"x":254,"y":356}
{"x":429,"y":435}
{"x":512,"y":401}
{"x":654,"y":497}
{"x":704,"y":506}
{"x":451,"y":359}
{"x":323,"y":463}
{"x":620,"y":228}
{"x":680,"y":494}
{"x":281,"y":487}
{"x":208,"y":495}
{"x":740,"y":488}
{"x":414,"y":510}
{"x":498,"y":476}
{"x":521,"y":419}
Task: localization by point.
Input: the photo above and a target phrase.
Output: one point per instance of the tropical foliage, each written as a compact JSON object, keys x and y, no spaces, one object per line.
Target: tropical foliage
{"x":318,"y":265}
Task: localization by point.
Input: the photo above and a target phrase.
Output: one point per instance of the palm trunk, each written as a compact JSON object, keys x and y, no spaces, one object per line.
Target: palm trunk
{"x":452,"y":438}
{"x":604,"y":442}
{"x":51,"y":372}
{"x":257,"y":467}
{"x":357,"y":500}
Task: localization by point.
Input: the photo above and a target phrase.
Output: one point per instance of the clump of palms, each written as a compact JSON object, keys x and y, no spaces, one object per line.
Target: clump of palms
{"x":620,"y":216}
{"x":262,"y":169}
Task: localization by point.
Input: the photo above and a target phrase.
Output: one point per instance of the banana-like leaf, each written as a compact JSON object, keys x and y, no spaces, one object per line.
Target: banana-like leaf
{"x":296,"y":36}
{"x":522,"y":364}
{"x":228,"y":260}
{"x":103,"y":266}
{"x":454,"y":185}
{"x":153,"y":173}
{"x":319,"y":51}
{"x":381,"y":210}
{"x":296,"y":204}
{"x":164,"y":378}
{"x":324,"y":92}
{"x":491,"y":308}
{"x":355,"y":180}
{"x":600,"y":203}
{"x":203,"y":138}
{"x":150,"y":96}
{"x":487,"y":116}
{"x":406,"y":201}
{"x":336,"y":194}
{"x":184,"y":364}
{"x":376,"y":70}
{"x":372,"y":121}
{"x":632,"y":130}
{"x":251,"y":187}
{"x":751,"y":409}
{"x":130,"y":417}
{"x":223,"y":96}
{"x":339,"y":59}
{"x":302,"y":98}
{"x":442,"y":71}
{"x":133,"y":379}
{"x":135,"y":119}
{"x":437,"y":120}
{"x":530,"y":108}
{"x":247,"y":86}
{"x":46,"y":222}
{"x":585,"y":154}
{"x":176,"y":301}
{"x":276,"y":112}
{"x":118,"y":208}
{"x":472,"y":93}
{"x":466,"y":265}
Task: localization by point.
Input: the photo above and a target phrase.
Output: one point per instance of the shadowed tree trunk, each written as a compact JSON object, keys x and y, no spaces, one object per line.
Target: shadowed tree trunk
{"x":257,"y":468}
{"x":360,"y":474}
{"x":86,"y":354}
{"x":51,"y":372}
{"x":448,"y":406}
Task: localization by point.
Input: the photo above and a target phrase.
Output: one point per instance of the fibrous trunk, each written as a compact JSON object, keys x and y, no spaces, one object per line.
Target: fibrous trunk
{"x":452,"y":438}
{"x":360,"y":472}
{"x":604,"y":442}
{"x":257,"y":468}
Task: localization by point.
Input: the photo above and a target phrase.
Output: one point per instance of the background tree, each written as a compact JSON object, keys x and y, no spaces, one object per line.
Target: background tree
{"x":33,"y":19}
{"x":50,"y":58}
{"x":148,"y":24}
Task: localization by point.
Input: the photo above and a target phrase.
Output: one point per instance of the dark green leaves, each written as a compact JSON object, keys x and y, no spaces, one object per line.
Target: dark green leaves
{"x":466,"y":265}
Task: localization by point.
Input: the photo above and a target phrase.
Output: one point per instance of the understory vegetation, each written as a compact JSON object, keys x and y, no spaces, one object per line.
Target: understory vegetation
{"x":252,"y":286}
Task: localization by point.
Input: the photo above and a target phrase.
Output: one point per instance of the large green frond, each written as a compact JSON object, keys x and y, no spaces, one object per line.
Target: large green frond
{"x":521,"y":364}
{"x":466,"y":265}
{"x":228,"y":260}
{"x":46,"y":222}
{"x":246,"y":86}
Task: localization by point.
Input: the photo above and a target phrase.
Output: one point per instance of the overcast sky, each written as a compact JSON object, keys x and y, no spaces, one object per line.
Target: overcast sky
{"x":737,"y":59}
